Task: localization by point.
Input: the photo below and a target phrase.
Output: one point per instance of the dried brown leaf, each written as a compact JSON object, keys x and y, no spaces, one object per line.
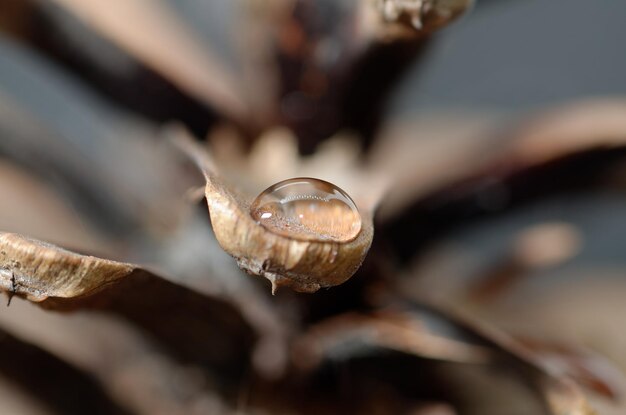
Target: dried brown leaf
{"x":38,"y":271}
{"x":403,"y":332}
{"x":158,"y":37}
{"x":571,"y":128}
{"x":215,"y":333}
{"x":419,"y":154}
{"x":318,"y":79}
{"x":449,"y":155}
{"x":108,"y":168}
{"x":561,"y":394}
{"x":588,"y":369}
{"x":305,"y":266}
{"x":481,"y":352}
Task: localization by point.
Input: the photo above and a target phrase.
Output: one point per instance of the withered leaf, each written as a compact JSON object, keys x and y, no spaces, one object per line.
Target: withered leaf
{"x":400,"y":331}
{"x":161,"y":39}
{"x":215,"y":333}
{"x":305,"y":266}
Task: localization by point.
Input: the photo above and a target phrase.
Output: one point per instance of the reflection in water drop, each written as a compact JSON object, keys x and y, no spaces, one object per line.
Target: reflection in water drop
{"x":307,"y":209}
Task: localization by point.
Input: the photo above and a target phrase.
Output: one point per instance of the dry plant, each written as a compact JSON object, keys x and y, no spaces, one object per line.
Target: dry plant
{"x":119,"y":126}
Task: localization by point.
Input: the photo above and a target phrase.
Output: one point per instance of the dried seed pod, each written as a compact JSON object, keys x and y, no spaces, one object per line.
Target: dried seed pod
{"x":280,"y":254}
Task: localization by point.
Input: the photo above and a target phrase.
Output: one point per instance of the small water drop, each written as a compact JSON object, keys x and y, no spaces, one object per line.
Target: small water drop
{"x":307,"y":209}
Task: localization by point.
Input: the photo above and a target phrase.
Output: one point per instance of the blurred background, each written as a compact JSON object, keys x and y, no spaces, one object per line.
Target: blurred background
{"x":517,"y":55}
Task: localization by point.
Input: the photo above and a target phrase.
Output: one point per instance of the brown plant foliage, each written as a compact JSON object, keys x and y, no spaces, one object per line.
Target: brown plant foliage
{"x":132,"y":147}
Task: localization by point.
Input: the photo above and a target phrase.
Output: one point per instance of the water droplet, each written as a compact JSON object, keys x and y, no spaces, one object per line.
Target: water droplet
{"x":307,"y":209}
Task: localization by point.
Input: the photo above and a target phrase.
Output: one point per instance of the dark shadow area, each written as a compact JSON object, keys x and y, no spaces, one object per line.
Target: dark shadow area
{"x":63,"y":389}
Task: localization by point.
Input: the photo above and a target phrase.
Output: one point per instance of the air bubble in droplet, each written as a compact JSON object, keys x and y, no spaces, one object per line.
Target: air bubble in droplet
{"x":307,"y":209}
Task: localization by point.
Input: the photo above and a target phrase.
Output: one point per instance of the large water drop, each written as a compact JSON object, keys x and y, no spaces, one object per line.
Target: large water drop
{"x":307,"y":209}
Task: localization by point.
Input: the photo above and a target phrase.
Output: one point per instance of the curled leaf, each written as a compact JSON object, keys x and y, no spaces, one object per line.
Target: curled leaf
{"x":216,"y":334}
{"x":38,"y":270}
{"x":304,"y":265}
